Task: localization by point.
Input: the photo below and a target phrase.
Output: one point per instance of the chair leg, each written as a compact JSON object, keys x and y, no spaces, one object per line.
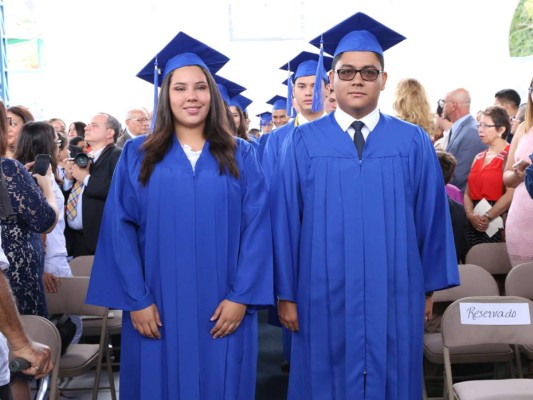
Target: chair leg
{"x":96,"y":385}
{"x":110,"y":372}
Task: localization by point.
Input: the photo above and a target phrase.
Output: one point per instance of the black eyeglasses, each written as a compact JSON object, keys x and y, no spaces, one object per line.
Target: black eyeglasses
{"x":367,"y":74}
{"x":485,"y":126}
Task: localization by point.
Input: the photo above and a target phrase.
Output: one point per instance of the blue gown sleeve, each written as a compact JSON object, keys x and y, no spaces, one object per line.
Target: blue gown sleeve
{"x":287,"y":209}
{"x":117,"y":278}
{"x":253,"y":281}
{"x":270,"y":157}
{"x":432,"y":217}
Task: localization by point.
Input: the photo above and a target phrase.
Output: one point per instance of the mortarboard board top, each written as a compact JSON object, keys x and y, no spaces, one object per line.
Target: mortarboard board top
{"x":358,"y":33}
{"x":227,"y":88}
{"x":278,"y":103}
{"x":181,"y":51}
{"x":305,"y":64}
{"x":265,"y":117}
{"x":240,"y":101}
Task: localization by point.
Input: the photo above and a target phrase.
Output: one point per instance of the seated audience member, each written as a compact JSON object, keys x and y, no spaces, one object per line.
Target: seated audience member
{"x":457,"y":211}
{"x":485,"y":181}
{"x":89,"y":185}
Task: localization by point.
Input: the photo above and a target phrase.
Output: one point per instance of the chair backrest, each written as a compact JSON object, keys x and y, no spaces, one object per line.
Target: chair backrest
{"x":475,"y":281}
{"x":41,"y":330}
{"x":455,"y":333}
{"x":491,"y":256}
{"x":81,"y":265}
{"x":519,"y":281}
{"x":70,"y":298}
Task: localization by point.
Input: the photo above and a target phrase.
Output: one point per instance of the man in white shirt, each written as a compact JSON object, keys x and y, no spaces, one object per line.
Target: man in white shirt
{"x":21,"y":346}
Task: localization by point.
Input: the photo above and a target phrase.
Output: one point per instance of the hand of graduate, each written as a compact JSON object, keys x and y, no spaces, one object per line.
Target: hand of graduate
{"x":51,"y":282}
{"x":147,"y":321}
{"x":228,"y":316}
{"x":288,"y":315}
{"x":428,"y":309}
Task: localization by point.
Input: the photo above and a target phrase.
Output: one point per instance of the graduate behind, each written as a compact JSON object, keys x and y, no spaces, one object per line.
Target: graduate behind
{"x":361,"y":232}
{"x":185,"y":245}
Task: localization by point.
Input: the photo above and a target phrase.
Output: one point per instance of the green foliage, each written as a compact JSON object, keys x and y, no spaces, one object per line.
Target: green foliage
{"x":521,"y":33}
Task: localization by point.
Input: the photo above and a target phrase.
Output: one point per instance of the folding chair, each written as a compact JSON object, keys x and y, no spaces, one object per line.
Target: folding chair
{"x":81,"y":358}
{"x":494,"y":258}
{"x":519,"y":282}
{"x":41,"y":330}
{"x":475,"y":281}
{"x":457,"y":334}
{"x":81,"y":265}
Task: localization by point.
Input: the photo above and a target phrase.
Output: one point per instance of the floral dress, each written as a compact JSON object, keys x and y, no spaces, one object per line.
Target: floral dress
{"x":21,"y":240}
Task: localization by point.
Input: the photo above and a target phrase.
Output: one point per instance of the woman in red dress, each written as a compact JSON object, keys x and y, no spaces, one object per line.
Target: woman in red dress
{"x":485,"y":180}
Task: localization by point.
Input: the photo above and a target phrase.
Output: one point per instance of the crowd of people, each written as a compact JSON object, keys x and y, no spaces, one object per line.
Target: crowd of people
{"x":339,"y":219}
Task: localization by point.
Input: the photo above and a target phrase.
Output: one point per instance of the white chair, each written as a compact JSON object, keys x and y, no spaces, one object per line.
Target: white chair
{"x":457,"y":334}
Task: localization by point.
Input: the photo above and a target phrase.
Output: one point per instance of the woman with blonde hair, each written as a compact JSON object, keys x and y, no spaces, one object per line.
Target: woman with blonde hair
{"x":412,"y":105}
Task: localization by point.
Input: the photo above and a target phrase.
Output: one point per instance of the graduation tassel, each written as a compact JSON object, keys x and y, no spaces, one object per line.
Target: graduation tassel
{"x":156,"y":94}
{"x":318,"y":101}
{"x":290,"y":109}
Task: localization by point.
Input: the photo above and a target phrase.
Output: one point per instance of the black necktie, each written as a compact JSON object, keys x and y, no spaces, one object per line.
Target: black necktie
{"x":358,"y":137}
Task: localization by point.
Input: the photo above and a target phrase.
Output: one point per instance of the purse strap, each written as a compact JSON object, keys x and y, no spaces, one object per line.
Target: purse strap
{"x":6,"y":209}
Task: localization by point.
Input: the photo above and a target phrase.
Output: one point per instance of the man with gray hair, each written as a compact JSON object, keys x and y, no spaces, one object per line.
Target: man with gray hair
{"x":463,"y":142}
{"x":137,"y":123}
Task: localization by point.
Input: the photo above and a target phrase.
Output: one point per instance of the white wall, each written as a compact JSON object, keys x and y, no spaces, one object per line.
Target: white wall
{"x":93,"y":49}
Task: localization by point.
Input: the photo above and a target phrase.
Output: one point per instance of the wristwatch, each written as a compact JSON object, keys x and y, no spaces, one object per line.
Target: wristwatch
{"x":488,"y":216}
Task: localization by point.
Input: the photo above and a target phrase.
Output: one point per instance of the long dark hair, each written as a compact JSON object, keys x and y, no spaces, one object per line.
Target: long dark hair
{"x":240,"y":131}
{"x":37,"y":138}
{"x":217,"y":131}
{"x":3,"y":129}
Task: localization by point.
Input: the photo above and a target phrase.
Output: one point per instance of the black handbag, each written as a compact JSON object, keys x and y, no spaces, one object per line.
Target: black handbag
{"x":66,"y":328}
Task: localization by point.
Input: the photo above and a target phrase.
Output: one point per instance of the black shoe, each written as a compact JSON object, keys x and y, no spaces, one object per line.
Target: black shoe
{"x":285,"y":367}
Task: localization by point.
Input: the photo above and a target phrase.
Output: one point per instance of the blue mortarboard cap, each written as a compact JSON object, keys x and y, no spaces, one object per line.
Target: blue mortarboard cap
{"x":305,"y":64}
{"x":278,"y":103}
{"x":182,"y":51}
{"x":240,"y":101}
{"x":265,"y":117}
{"x":308,"y":64}
{"x":227,"y":88}
{"x":358,"y":33}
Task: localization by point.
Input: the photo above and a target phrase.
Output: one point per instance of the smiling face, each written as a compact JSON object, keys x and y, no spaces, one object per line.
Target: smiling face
{"x":358,"y":97}
{"x":189,"y":97}
{"x":236,"y":116}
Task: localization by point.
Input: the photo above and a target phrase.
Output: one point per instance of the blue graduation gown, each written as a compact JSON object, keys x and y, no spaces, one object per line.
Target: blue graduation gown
{"x":273,"y":148}
{"x":529,"y":180}
{"x":185,"y":241}
{"x":356,"y":246}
